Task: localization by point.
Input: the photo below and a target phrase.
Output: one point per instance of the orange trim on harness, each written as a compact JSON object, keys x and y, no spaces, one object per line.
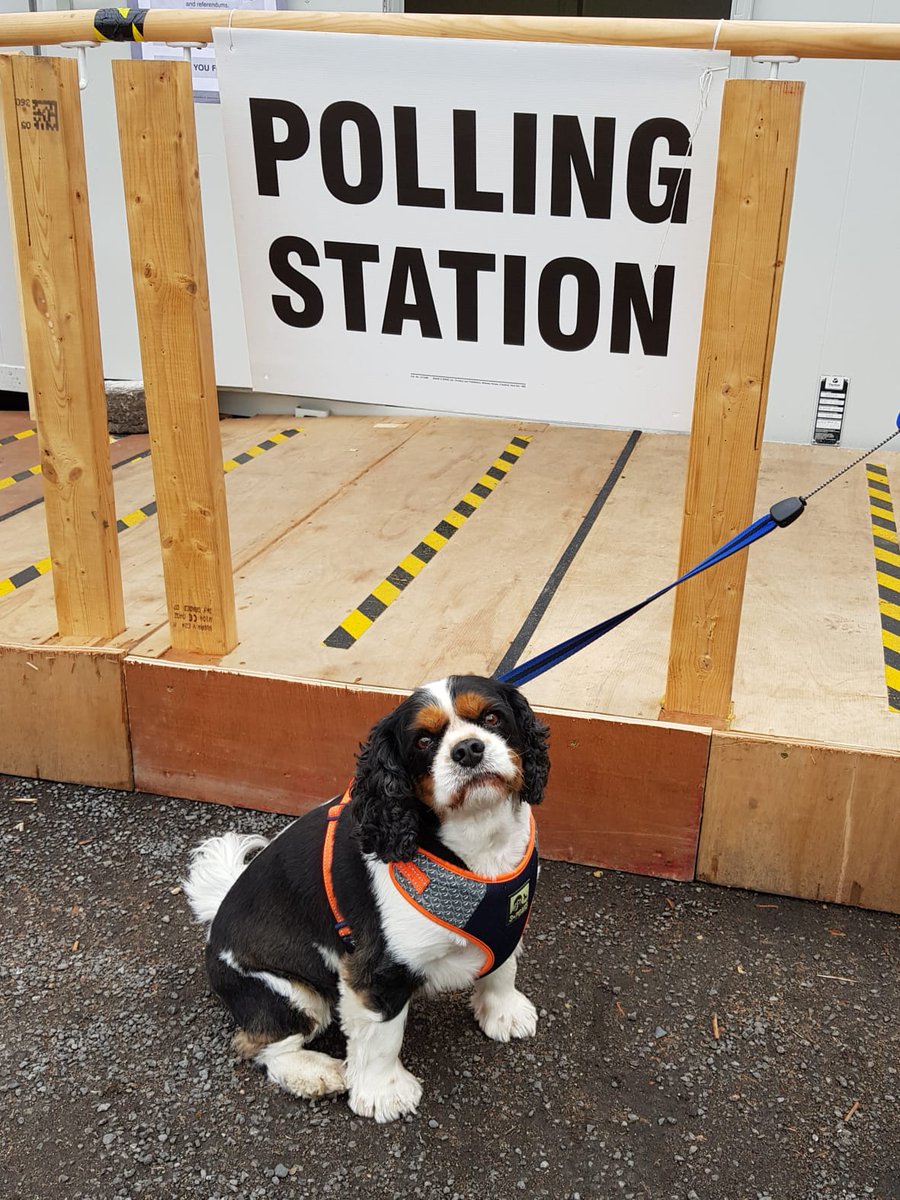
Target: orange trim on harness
{"x":411,"y":872}
{"x":344,"y":932}
{"x":469,"y":937}
{"x":489,"y":878}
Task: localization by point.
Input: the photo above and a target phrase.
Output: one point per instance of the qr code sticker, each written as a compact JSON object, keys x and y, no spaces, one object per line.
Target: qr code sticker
{"x":45,"y":114}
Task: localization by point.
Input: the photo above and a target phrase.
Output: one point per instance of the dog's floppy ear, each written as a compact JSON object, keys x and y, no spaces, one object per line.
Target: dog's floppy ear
{"x":385,"y":804}
{"x":533,"y":735}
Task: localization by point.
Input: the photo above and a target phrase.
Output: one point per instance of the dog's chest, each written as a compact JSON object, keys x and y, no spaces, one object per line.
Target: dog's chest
{"x":446,"y":959}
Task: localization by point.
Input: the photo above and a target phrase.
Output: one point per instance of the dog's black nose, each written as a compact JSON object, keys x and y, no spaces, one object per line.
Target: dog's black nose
{"x":468,"y":753}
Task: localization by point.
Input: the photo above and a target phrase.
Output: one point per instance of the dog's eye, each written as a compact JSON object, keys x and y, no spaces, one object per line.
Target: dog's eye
{"x":424,"y":742}
{"x":491,"y":720}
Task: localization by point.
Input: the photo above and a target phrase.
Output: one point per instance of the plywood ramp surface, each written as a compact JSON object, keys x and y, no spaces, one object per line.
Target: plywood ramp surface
{"x":23,"y":494}
{"x":28,"y":613}
{"x":631,"y":552}
{"x":295,"y":594}
{"x":17,"y":457}
{"x":14,"y":422}
{"x":23,"y":537}
{"x":266,"y":498}
{"x":810,"y":661}
{"x":320,"y":520}
{"x":461,"y":613}
{"x":798,"y":819}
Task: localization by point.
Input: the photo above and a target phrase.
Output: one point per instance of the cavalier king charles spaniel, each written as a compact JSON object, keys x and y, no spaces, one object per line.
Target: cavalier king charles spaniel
{"x":420,"y":879}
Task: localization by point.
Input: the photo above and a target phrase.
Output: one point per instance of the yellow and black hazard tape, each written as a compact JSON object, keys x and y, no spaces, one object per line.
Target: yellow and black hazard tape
{"x":255,"y":451}
{"x":14,"y":512}
{"x":887,"y":575}
{"x":355,"y":624}
{"x":35,"y":571}
{"x":148,"y":510}
{"x":119,"y":24}
{"x":20,"y":476}
{"x":17,"y":437}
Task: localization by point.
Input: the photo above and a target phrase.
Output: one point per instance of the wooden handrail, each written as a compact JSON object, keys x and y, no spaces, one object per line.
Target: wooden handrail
{"x":805,"y":39}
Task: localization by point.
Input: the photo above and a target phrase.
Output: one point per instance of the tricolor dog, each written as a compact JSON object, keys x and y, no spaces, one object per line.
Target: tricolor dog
{"x":419,"y":880}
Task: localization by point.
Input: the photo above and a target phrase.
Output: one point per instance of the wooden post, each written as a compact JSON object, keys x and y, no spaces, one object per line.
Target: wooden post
{"x":755,"y":182}
{"x":55,"y":267}
{"x":158,"y":145}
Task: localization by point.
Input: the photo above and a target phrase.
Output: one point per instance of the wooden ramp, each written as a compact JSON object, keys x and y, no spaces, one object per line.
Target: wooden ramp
{"x":373,"y":554}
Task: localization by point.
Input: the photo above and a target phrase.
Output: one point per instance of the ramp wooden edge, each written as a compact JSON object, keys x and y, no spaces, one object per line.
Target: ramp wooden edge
{"x":623,"y":794}
{"x":799,"y":819}
{"x":69,"y":719}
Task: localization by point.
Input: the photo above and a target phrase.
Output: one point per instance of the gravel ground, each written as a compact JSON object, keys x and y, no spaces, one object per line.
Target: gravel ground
{"x":117,"y":1081}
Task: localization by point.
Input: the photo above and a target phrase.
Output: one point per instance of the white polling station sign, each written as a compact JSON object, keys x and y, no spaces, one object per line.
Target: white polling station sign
{"x":508,"y":228}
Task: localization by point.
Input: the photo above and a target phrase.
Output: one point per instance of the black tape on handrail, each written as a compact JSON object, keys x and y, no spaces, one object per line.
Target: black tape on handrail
{"x":119,"y":24}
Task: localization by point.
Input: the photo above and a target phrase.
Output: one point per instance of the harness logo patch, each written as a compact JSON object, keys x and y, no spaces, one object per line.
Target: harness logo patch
{"x":518,"y":903}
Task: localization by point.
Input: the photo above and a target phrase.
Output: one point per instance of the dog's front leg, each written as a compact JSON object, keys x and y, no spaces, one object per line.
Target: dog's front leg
{"x":374,"y":1021}
{"x":501,"y":1011}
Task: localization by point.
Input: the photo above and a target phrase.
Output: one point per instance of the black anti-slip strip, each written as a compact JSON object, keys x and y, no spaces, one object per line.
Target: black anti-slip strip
{"x":40,"y":499}
{"x":22,"y":508}
{"x":534,"y":618}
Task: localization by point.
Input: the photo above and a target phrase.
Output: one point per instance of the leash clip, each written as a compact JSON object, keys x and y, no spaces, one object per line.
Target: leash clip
{"x":786,"y":511}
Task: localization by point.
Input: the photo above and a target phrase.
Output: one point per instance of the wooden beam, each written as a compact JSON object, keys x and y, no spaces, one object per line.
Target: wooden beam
{"x":802,"y":819}
{"x":158,"y":145}
{"x":754,"y":186}
{"x":58,"y":296}
{"x":68,"y":719}
{"x":622,"y":794}
{"x":806,"y":39}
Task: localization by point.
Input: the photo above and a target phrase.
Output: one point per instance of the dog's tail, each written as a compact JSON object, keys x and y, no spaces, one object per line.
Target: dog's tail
{"x":215,"y":865}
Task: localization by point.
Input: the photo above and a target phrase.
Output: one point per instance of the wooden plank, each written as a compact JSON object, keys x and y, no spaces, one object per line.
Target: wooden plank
{"x":273,"y":492}
{"x":463,"y":611}
{"x":631,"y":553}
{"x":754,"y":186}
{"x":254,"y":741}
{"x":269,"y":497}
{"x":158,"y":145}
{"x":23,"y":538}
{"x":55,"y":266}
{"x":16,"y":423}
{"x":305,"y":583}
{"x":70,"y":721}
{"x":802,"y":819}
{"x":625,"y":795}
{"x":807,"y":39}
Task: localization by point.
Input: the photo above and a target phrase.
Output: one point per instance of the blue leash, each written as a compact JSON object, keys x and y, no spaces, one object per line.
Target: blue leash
{"x":779,"y":516}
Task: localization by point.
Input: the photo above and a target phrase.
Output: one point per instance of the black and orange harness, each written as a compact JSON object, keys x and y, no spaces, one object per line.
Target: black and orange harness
{"x":490,"y":913}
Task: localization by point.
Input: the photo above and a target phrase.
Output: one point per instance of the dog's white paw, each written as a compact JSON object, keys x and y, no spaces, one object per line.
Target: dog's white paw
{"x":319,"y":1075}
{"x":395,"y":1095}
{"x":307,"y":1073}
{"x":502,"y":1018}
